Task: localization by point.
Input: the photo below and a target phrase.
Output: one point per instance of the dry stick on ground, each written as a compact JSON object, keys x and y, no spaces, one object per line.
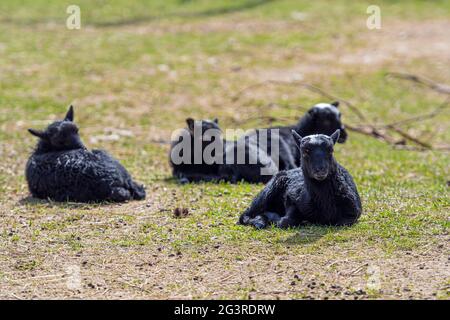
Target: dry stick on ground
{"x":368,"y":131}
{"x":438,"y":87}
{"x":367,"y":128}
{"x":407,"y":136}
{"x":310,"y":87}
{"x":426,"y":116}
{"x":395,"y":127}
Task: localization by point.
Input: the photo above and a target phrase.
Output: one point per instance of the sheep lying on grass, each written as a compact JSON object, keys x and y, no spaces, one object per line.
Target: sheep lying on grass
{"x":254,"y":160}
{"x":191,"y":144}
{"x":320,"y":192}
{"x":322,"y":118}
{"x":62,"y":169}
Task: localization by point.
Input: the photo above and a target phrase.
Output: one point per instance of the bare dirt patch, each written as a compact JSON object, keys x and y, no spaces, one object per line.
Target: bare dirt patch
{"x":263,"y":272}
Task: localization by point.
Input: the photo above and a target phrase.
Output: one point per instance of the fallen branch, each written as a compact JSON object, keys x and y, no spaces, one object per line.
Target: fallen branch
{"x":370,"y":131}
{"x":443,"y":148}
{"x":426,"y":116}
{"x":438,"y":87}
{"x":368,"y":128}
{"x":407,"y":136}
{"x":378,"y":132}
{"x":307,"y":86}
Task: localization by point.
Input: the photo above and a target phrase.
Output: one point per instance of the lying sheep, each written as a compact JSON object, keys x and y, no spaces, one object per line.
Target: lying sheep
{"x":186,"y":156}
{"x":255,"y":159}
{"x":320,"y":192}
{"x":62,"y":169}
{"x":323,"y":118}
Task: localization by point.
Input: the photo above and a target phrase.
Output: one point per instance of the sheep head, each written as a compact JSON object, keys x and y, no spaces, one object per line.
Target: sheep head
{"x":60,"y":135}
{"x":316,"y":153}
{"x":326,"y":118}
{"x":206,"y":128}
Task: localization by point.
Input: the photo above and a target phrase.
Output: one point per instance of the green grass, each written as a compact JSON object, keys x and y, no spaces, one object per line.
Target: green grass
{"x":147,"y":65}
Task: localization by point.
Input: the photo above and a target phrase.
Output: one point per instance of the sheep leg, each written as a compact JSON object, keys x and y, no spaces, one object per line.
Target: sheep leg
{"x":273,"y":217}
{"x":197,"y":177}
{"x":207,"y":177}
{"x":181,"y":177}
{"x":344,"y":222}
{"x":272,"y":192}
{"x":291,"y":218}
{"x":259,"y":222}
{"x":227,"y":173}
{"x":137,"y":191}
{"x":120,"y":194}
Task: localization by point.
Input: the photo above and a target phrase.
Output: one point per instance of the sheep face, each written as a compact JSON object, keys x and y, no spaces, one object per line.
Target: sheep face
{"x":60,"y":135}
{"x":205,"y":126}
{"x":316,"y":153}
{"x":327,"y":119}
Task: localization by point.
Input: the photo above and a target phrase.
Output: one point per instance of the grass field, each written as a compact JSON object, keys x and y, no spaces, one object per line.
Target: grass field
{"x":136,"y":70}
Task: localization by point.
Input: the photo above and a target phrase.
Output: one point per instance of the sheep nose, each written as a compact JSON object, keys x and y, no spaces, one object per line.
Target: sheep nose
{"x":343,"y":135}
{"x":320,"y":175}
{"x":322,"y":170}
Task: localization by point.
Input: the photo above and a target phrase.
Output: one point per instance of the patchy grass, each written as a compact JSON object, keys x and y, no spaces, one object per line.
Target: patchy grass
{"x":144,"y":67}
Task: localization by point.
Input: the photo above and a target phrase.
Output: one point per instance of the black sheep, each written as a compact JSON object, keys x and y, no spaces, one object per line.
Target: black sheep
{"x":323,"y":118}
{"x":321,"y":191}
{"x":186,"y":156}
{"x":61,"y":168}
{"x":248,"y":167}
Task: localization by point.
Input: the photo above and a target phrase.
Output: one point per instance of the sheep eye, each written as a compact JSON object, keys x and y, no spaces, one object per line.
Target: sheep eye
{"x":306,"y":150}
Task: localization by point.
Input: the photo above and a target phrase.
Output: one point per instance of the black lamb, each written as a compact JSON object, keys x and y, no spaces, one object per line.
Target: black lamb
{"x":322,"y":118}
{"x":186,"y":156}
{"x":320,"y":192}
{"x":61,"y":168}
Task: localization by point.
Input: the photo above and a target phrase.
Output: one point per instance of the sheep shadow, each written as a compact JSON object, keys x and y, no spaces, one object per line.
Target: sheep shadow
{"x":172,"y":181}
{"x":31,"y":201}
{"x":308,"y":234}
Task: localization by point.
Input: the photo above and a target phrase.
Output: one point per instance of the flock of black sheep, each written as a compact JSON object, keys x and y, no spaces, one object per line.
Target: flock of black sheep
{"x":308,"y":185}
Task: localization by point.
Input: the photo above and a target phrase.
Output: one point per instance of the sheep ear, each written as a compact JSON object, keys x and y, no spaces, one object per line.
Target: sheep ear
{"x":69,"y":114}
{"x":335,"y":103}
{"x":191,"y":123}
{"x":37,"y":133}
{"x":297,"y":137}
{"x":216,"y":121}
{"x":335,"y":136}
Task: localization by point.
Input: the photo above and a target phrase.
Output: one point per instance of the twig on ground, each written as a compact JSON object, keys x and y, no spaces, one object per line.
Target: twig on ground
{"x":426,"y":116}
{"x":60,"y":276}
{"x":407,"y":136}
{"x":438,"y":87}
{"x":378,"y":132}
{"x":375,"y":133}
{"x":307,"y":86}
{"x":418,"y":148}
{"x":16,"y":296}
{"x":356,"y":270}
